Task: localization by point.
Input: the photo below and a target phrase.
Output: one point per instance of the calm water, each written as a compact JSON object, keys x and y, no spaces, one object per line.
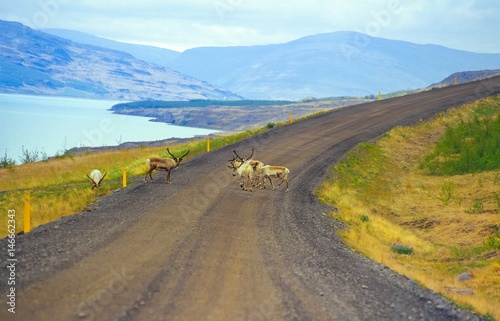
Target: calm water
{"x":54,"y":124}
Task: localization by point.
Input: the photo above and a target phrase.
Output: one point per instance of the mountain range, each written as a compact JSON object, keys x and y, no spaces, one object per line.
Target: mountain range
{"x":34,"y":62}
{"x":324,"y":65}
{"x":63,"y":62}
{"x":159,"y":56}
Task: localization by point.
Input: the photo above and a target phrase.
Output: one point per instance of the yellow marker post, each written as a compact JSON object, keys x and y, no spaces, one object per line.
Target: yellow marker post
{"x":291,"y":118}
{"x":379,"y":96}
{"x":208,"y":144}
{"x":27,"y":213}
{"x":124,"y":177}
{"x":454,"y":80}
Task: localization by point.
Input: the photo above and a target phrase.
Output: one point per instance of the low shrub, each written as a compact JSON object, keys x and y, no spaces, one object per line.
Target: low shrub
{"x":471,"y":146}
{"x":401,"y":248}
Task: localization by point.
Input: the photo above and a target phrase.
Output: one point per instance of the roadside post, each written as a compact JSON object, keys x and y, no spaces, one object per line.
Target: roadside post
{"x":291,"y":118}
{"x":124,"y":176}
{"x":27,"y":213}
{"x":208,"y":144}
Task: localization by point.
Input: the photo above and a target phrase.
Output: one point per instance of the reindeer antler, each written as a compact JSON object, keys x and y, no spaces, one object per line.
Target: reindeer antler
{"x":91,"y":179}
{"x":241,"y":159}
{"x":185,"y":154}
{"x":244,"y":159}
{"x":176,"y":157}
{"x":102,"y":178}
{"x":250,"y":155}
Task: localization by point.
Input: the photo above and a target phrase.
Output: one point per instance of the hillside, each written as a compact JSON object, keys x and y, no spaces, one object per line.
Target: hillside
{"x":466,"y":76}
{"x":230,"y":115}
{"x":439,"y":201}
{"x":150,"y":54}
{"x":325,"y":65}
{"x":33,"y":62}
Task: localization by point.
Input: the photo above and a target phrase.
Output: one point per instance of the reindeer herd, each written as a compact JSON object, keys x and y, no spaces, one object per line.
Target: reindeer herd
{"x":253,"y":172}
{"x":250,"y":172}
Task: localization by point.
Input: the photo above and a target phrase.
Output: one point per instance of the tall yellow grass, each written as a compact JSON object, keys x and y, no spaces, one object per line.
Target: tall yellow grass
{"x":434,"y":215}
{"x":59,"y":187}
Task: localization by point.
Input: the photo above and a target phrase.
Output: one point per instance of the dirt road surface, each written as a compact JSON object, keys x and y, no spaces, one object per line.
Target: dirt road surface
{"x":202,"y":249}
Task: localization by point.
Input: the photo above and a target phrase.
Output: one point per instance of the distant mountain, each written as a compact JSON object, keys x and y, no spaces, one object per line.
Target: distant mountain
{"x":151,"y":54}
{"x":33,"y":62}
{"x":466,"y":76}
{"x":324,"y":65}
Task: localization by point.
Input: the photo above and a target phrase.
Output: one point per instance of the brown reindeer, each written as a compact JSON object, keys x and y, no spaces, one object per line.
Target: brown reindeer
{"x":166,"y":164}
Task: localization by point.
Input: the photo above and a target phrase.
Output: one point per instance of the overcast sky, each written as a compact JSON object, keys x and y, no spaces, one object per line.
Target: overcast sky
{"x":472,"y":25}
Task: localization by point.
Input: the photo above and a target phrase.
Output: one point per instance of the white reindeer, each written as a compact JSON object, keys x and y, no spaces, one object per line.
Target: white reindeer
{"x":268,"y":171}
{"x":166,"y":164}
{"x":244,"y":169}
{"x":96,"y":178}
{"x":245,"y":172}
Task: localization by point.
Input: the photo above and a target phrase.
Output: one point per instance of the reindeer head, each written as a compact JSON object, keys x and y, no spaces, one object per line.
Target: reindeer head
{"x":177,"y":160}
{"x":96,"y":178}
{"x":234,"y":163}
{"x":237,"y":162}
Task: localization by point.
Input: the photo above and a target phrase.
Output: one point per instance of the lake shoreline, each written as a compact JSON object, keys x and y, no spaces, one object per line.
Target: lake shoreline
{"x":233,"y":118}
{"x":131,"y":145}
{"x":41,"y":127}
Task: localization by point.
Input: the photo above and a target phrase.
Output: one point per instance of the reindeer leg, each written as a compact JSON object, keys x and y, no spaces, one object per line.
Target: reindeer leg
{"x":262,"y":182}
{"x":271,"y":181}
{"x":241,"y":182}
{"x":146,"y":177}
{"x":168,"y":177}
{"x":249,"y":183}
{"x":283,"y":179}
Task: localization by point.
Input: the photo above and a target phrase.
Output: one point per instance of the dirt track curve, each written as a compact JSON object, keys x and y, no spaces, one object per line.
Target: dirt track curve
{"x":202,"y":249}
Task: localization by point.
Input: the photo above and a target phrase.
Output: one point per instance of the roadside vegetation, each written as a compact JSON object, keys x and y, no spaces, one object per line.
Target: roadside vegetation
{"x":425,"y":201}
{"x":59,"y":186}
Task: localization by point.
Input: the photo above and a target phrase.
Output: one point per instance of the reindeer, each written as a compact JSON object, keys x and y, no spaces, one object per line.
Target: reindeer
{"x":268,"y":171}
{"x":166,"y":164}
{"x":235,"y":163}
{"x":96,"y":178}
{"x":244,"y":168}
{"x":245,"y":172}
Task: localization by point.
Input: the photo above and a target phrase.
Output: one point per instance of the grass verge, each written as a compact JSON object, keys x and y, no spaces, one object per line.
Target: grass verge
{"x":59,"y":187}
{"x":451,"y":222}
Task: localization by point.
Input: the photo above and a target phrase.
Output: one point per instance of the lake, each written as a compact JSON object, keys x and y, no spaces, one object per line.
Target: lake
{"x":54,"y":124}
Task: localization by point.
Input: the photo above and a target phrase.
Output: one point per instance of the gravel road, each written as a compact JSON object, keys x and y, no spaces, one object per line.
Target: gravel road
{"x":202,"y":249}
